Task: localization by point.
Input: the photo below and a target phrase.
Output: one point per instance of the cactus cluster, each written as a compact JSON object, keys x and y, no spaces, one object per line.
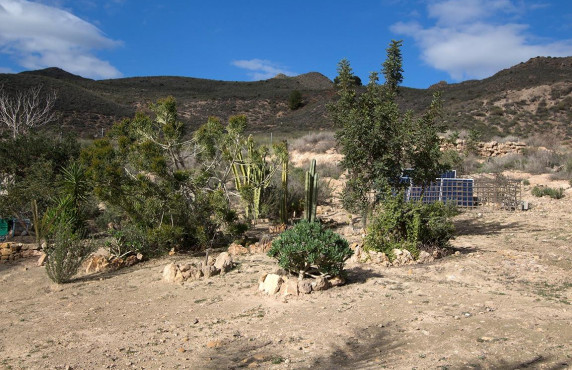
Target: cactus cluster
{"x":311,"y":187}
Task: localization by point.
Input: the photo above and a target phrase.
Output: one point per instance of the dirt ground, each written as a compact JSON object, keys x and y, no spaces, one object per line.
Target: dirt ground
{"x":502,"y":303}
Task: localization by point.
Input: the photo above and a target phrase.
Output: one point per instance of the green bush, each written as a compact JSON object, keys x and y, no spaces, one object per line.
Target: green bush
{"x":295,"y":100}
{"x":65,"y":254}
{"x":309,"y":245}
{"x":409,"y":225}
{"x":540,"y":191}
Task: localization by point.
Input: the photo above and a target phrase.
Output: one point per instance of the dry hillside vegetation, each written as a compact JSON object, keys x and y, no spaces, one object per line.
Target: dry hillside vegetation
{"x":502,"y":301}
{"x":521,"y":100}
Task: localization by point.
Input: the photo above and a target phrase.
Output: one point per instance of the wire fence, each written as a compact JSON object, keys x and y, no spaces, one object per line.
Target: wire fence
{"x":497,"y":192}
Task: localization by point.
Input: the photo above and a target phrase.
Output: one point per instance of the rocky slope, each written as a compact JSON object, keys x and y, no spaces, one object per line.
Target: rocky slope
{"x":535,"y":96}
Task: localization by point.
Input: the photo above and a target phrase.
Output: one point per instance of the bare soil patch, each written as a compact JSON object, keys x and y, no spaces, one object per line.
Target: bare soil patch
{"x":503,"y":302}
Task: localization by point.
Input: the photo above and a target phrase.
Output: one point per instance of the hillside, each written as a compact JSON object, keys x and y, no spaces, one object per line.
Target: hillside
{"x":529,"y":97}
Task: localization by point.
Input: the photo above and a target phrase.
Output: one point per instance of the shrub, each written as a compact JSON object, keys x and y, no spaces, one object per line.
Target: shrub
{"x":409,"y":225}
{"x":540,"y":191}
{"x":330,"y":169}
{"x":317,"y":142}
{"x":295,"y":100}
{"x":65,"y":254}
{"x":526,"y":182}
{"x":309,"y":245}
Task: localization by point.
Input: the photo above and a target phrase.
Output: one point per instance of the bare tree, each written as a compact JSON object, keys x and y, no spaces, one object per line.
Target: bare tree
{"x":26,"y":109}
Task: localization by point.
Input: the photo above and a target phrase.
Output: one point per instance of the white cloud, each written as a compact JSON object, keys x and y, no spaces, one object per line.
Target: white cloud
{"x":6,"y":70}
{"x":260,"y":69}
{"x":468,"y":41}
{"x":40,"y":36}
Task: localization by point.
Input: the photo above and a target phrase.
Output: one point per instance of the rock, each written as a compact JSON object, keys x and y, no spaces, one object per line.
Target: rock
{"x":196,"y":272}
{"x":42,"y":259}
{"x":358,"y":255}
{"x":223,"y":262}
{"x":378,"y":258}
{"x":289,"y":286}
{"x":213,"y":344}
{"x":321,"y":283}
{"x":186,"y":274}
{"x":170,"y":273}
{"x":262,"y":277}
{"x":271,"y":284}
{"x":186,"y":267}
{"x":305,"y":286}
{"x":179,"y":277}
{"x":237,"y":250}
{"x":425,"y":257}
{"x":337,"y":281}
{"x":6,"y":251}
{"x":402,"y":257}
{"x":140,"y":256}
{"x":210,"y":270}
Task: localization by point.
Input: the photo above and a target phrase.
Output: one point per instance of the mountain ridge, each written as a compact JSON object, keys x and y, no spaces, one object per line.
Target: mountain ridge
{"x":532,"y":96}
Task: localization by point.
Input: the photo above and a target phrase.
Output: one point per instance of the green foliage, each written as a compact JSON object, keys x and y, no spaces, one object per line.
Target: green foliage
{"x":451,"y":159}
{"x":473,"y":141}
{"x":526,"y":182}
{"x":409,"y":225}
{"x":377,"y":140}
{"x":281,"y":151}
{"x":30,"y":167}
{"x":140,"y":169}
{"x":392,"y":67}
{"x":355,"y":80}
{"x":309,"y":245}
{"x":226,"y":150}
{"x":311,"y":189}
{"x":540,"y":191}
{"x":65,"y":254}
{"x":295,"y":100}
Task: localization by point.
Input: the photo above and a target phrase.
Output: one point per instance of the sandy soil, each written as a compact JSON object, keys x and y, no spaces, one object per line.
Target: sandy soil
{"x":503,"y":302}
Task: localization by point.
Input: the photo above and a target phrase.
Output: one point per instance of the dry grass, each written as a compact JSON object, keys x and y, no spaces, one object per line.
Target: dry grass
{"x":316,"y":142}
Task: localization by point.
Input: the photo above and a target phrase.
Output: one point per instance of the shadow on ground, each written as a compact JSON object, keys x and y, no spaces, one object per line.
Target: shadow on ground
{"x":359,"y":275}
{"x":367,"y":348}
{"x":534,"y":363}
{"x":480,"y":227}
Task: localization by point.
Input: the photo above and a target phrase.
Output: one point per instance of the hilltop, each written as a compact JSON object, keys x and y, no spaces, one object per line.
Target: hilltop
{"x":527,"y":98}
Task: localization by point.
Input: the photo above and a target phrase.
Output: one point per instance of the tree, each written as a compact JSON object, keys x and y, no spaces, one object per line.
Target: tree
{"x":295,"y":100}
{"x":26,"y":109}
{"x":392,"y":67}
{"x":377,"y":140}
{"x":140,"y":169}
{"x":356,"y":80}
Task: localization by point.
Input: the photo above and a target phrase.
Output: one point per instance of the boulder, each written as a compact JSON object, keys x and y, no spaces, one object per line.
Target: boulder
{"x":210,"y":270}
{"x":223,"y":262}
{"x":271,"y":284}
{"x":305,"y":286}
{"x":237,"y":250}
{"x":425,"y":257}
{"x":321,"y":283}
{"x":289,"y":286}
{"x":170,"y":273}
{"x":337,"y":281}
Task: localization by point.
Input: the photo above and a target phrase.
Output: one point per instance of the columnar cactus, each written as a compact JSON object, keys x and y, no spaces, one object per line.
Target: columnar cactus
{"x":311,"y":187}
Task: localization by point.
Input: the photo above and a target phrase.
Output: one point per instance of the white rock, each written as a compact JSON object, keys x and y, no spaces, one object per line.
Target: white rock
{"x":271,"y":284}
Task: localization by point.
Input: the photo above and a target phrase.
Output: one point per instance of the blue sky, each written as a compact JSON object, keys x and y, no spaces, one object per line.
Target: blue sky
{"x":451,"y":40}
